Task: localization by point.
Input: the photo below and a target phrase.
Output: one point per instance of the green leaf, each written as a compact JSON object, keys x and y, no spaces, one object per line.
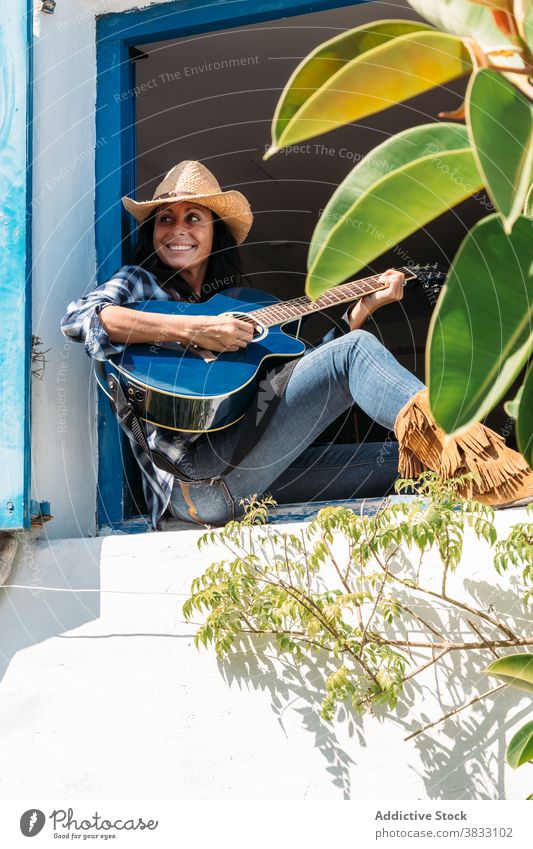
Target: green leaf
{"x":528,"y":203}
{"x":328,"y":58}
{"x":524,"y":424}
{"x":515,"y":670}
{"x":481,"y":333}
{"x":461,"y":18}
{"x":523,"y":13}
{"x":500,"y":121}
{"x":520,"y":749}
{"x":383,"y":71}
{"x":398,"y":187}
{"x":384,"y":679}
{"x":511,"y":407}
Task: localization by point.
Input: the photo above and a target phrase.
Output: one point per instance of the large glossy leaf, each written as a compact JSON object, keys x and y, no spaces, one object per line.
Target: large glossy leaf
{"x":500,"y":121}
{"x":515,"y":670}
{"x":496,"y":5}
{"x":520,"y":749}
{"x":380,"y":77}
{"x":524,"y":17}
{"x":461,"y":18}
{"x":328,"y":58}
{"x":502,"y":15}
{"x":397,"y":188}
{"x":528,"y":203}
{"x":481,"y":333}
{"x":524,"y":424}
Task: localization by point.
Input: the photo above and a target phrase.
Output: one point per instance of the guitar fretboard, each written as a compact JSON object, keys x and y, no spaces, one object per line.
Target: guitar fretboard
{"x":285,"y":310}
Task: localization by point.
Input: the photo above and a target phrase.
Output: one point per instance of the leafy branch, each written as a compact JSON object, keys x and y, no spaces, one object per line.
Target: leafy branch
{"x":347,"y":591}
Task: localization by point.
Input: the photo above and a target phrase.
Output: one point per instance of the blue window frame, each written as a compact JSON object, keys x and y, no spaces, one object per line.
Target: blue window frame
{"x":116,"y":35}
{"x":15,"y":250}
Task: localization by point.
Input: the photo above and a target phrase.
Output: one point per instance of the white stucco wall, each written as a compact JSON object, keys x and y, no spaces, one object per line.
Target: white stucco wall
{"x":103,"y":694}
{"x":64,"y":409}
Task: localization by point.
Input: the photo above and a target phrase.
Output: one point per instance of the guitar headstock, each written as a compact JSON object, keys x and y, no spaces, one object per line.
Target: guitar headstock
{"x":431,"y":277}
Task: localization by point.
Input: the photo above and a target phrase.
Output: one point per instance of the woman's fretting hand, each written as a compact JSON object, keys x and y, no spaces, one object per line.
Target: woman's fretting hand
{"x":370,"y":303}
{"x":218,"y":332}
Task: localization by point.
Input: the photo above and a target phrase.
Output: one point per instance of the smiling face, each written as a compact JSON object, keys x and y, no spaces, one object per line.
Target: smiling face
{"x":183,"y":236}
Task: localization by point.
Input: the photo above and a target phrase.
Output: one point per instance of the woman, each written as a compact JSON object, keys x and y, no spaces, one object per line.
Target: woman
{"x":187,"y":250}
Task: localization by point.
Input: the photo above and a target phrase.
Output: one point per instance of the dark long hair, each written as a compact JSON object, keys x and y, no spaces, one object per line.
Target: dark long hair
{"x":223,"y":268}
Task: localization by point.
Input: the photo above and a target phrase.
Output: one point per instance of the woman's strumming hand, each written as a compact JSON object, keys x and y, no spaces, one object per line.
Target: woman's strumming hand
{"x":370,"y":303}
{"x":219,"y":332}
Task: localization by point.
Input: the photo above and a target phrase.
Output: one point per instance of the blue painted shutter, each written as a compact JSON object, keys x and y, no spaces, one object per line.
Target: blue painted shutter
{"x":15,"y":264}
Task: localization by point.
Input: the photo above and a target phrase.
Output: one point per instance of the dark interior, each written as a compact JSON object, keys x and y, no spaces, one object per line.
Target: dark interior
{"x":212,"y":96}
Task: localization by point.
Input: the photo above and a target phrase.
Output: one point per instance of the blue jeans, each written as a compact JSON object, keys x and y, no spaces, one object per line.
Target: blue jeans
{"x":326,"y":381}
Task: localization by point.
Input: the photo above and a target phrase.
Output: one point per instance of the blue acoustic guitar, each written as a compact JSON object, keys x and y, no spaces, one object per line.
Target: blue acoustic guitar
{"x":192,"y":390}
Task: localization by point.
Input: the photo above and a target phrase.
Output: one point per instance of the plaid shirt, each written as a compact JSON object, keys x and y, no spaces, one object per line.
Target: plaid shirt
{"x":81,"y":323}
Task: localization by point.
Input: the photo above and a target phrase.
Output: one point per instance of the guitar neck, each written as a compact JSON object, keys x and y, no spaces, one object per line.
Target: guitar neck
{"x":283,"y":311}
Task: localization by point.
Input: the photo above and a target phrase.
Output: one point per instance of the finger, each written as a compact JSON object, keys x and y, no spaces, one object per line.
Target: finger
{"x":238,"y":330}
{"x":394,"y":273}
{"x":245,"y":331}
{"x":396,"y":283}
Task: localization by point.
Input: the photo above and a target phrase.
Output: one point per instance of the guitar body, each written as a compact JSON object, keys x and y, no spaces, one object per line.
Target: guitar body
{"x":182,"y":389}
{"x":190,"y":390}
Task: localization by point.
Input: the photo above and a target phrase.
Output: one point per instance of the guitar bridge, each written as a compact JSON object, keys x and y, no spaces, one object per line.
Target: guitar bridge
{"x":204,"y":354}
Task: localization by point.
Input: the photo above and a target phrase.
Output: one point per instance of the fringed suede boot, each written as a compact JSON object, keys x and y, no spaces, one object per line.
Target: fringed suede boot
{"x":501,"y":476}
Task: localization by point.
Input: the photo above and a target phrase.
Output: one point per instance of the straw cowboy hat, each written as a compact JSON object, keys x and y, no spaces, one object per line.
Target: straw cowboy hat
{"x":192,"y":181}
